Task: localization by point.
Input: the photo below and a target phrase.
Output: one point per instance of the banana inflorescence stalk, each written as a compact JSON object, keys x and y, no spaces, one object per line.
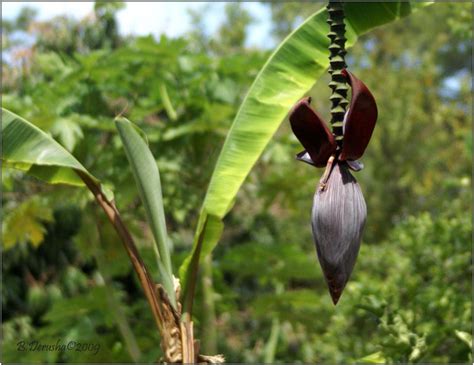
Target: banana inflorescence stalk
{"x":337,"y":63}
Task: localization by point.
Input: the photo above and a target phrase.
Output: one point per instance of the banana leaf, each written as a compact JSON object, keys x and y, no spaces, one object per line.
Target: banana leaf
{"x":28,"y":148}
{"x":147,"y":178}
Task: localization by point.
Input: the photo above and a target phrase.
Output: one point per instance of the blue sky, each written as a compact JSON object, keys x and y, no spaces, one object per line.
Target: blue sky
{"x":142,"y":18}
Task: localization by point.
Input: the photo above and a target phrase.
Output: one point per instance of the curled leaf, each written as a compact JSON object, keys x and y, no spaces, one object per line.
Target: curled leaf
{"x":338,"y":219}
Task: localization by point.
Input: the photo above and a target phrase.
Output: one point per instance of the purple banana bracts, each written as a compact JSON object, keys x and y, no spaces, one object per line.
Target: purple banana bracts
{"x":339,"y":210}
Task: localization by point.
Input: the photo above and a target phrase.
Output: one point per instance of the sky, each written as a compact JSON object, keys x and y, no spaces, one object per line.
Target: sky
{"x":143,"y":18}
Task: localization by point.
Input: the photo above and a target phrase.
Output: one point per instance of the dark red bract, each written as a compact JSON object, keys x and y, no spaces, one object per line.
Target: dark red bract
{"x":312,"y":132}
{"x":360,"y":120}
{"x":315,"y":136}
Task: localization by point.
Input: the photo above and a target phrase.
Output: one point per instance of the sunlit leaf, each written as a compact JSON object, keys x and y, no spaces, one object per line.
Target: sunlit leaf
{"x":28,"y":148}
{"x":25,"y":223}
{"x":464,"y":337}
{"x":375,"y":358}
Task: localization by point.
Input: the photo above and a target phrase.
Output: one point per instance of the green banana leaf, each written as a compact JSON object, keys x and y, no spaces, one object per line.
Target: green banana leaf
{"x":28,"y":148}
{"x":147,"y":178}
{"x":289,"y":73}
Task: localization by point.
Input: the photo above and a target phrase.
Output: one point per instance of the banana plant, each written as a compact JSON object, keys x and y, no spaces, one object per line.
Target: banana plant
{"x":289,"y":73}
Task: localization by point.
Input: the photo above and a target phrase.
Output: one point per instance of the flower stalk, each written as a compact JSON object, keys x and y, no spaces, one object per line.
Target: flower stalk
{"x":337,"y":64}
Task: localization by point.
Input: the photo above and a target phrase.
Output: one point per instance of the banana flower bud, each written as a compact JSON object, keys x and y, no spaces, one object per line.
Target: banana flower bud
{"x":339,"y":210}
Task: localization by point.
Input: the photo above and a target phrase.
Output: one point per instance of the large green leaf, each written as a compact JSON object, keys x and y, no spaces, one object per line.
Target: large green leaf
{"x":289,"y":73}
{"x":28,"y":148}
{"x":147,"y":178}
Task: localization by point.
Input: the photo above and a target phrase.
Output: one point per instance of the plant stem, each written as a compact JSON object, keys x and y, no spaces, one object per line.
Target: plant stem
{"x":337,"y":63}
{"x":192,"y":276}
{"x":270,"y":347}
{"x":114,"y":216}
{"x":177,"y":337}
{"x":209,"y":334}
{"x":177,"y":340}
{"x":187,"y":340}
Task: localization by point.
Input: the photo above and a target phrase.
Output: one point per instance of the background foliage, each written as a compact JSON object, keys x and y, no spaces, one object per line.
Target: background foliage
{"x":65,"y":275}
